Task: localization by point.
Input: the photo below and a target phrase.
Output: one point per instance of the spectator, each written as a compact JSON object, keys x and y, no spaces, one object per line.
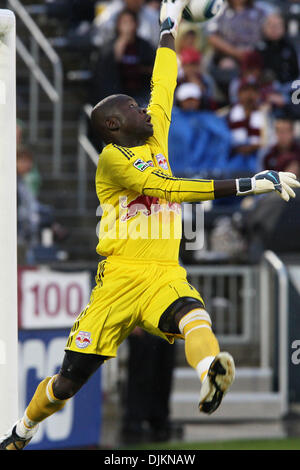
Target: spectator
{"x":190,"y":71}
{"x":232,"y":35}
{"x":278,"y":54}
{"x":285,"y":154}
{"x":152,"y":10}
{"x":246,"y":123}
{"x":188,"y":96}
{"x":187,"y":37}
{"x":148,"y":21}
{"x":252,"y":71}
{"x":199,"y":140}
{"x":290,"y":10}
{"x":28,"y":206}
{"x":125,"y":64}
{"x":32,"y":216}
{"x":28,"y":169}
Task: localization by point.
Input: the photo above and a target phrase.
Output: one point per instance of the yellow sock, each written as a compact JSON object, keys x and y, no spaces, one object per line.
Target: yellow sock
{"x":43,"y":404}
{"x":201,"y":345}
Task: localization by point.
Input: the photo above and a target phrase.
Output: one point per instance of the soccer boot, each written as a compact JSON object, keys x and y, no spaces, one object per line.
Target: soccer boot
{"x":11,"y":440}
{"x":217,"y":382}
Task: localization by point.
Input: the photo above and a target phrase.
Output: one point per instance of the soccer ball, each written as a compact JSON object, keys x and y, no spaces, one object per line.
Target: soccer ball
{"x":199,"y":11}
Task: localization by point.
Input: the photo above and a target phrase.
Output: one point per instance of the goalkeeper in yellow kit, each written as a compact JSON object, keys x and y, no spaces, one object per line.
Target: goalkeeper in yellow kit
{"x":140,"y":283}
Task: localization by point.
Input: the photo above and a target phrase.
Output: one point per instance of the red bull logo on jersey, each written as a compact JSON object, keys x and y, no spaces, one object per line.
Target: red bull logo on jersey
{"x":162,"y":161}
{"x":146,"y":205}
{"x":83,"y":339}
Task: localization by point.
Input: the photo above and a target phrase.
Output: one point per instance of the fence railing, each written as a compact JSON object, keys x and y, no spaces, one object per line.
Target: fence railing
{"x":54,"y":91}
{"x":85,"y":149}
{"x":230,"y":296}
{"x":271,"y":299}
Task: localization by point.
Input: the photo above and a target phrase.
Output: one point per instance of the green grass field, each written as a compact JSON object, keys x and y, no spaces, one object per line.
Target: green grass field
{"x":255,"y":444}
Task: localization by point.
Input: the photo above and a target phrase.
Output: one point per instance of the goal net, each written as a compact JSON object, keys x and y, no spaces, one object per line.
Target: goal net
{"x":8,"y":231}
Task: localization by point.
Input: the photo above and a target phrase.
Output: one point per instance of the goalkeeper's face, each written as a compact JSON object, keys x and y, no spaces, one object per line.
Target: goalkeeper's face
{"x":134,"y":120}
{"x":119,"y":119}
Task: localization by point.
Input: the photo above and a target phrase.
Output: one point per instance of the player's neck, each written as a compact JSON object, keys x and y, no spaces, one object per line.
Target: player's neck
{"x":125,"y":142}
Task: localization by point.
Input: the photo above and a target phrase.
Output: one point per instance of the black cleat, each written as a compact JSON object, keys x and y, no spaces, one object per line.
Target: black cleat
{"x":11,"y":440}
{"x":219,"y":378}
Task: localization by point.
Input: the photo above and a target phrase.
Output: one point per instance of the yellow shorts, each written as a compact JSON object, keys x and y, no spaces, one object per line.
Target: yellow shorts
{"x":128,"y":293}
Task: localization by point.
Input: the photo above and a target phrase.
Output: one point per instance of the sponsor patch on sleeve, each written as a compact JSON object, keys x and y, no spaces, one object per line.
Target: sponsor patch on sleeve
{"x":162,"y":161}
{"x":140,"y":165}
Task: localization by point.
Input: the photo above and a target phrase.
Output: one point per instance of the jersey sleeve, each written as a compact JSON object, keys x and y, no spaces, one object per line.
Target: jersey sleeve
{"x":135,"y":174}
{"x":163,"y":84}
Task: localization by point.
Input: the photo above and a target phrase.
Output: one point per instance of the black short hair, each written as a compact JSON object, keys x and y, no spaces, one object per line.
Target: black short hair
{"x":284,"y":116}
{"x":126,"y":11}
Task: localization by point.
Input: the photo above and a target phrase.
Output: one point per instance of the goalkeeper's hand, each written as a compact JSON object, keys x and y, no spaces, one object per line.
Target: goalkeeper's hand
{"x":268,"y":181}
{"x":170,"y":16}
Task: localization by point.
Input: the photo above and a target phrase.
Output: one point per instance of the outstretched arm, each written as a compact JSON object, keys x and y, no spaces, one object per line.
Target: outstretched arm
{"x":151,"y":181}
{"x":167,"y":40}
{"x":164,"y":77}
{"x":185,"y":190}
{"x":170,"y":16}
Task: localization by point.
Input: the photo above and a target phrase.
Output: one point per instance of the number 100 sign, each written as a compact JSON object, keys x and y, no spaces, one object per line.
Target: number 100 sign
{"x":51,"y":299}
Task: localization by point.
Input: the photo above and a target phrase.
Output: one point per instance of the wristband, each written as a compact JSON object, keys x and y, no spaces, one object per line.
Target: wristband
{"x":168,"y":27}
{"x":244,"y":186}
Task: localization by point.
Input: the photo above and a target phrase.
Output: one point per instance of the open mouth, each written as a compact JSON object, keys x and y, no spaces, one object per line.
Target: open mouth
{"x":148,"y":121}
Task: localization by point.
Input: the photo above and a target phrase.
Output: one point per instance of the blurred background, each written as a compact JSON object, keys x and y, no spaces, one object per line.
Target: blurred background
{"x":236,"y":112}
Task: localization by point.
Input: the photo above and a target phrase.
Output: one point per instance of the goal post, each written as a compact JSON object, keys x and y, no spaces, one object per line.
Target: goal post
{"x":8,"y":224}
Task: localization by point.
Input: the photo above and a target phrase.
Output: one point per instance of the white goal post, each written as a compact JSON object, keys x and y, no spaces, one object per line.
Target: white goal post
{"x":8,"y":225}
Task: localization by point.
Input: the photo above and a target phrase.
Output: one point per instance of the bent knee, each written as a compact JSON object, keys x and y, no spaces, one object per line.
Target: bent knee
{"x":64,"y":388}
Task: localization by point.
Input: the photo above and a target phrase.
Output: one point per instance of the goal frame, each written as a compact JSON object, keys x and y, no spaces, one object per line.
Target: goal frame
{"x":8,"y":224}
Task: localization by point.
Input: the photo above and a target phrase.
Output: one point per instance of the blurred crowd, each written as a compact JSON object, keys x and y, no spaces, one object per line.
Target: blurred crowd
{"x":38,"y":231}
{"x":236,"y":106}
{"x":237,"y":84}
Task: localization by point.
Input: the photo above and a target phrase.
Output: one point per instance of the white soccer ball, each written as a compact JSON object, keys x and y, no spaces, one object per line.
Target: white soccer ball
{"x":199,"y":11}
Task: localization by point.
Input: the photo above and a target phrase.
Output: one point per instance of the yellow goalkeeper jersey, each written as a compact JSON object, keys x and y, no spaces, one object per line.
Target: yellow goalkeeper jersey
{"x":139,"y":196}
